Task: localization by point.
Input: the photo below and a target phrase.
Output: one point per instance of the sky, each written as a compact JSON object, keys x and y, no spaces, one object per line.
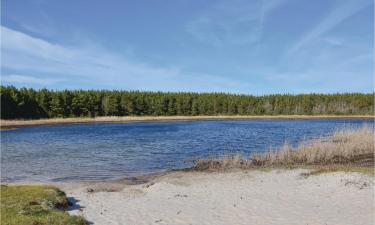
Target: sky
{"x":238,"y":46}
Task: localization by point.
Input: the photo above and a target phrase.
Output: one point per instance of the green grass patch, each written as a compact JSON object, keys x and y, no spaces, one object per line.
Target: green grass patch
{"x":35,"y":205}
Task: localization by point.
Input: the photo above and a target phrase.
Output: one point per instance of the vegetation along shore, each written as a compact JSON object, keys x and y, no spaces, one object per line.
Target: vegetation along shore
{"x":9,"y":124}
{"x":344,"y":149}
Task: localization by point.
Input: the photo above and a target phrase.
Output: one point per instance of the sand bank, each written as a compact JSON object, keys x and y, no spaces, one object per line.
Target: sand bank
{"x":239,"y":197}
{"x":9,"y":124}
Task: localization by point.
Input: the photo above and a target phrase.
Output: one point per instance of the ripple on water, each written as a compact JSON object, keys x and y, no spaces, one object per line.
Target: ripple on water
{"x":107,"y":151}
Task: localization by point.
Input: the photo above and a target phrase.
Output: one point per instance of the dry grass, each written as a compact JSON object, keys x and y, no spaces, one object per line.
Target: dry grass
{"x":317,"y":170}
{"x":349,"y":146}
{"x":6,"y":124}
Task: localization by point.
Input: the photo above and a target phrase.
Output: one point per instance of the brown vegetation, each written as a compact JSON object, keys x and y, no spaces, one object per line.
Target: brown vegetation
{"x":350,"y":146}
{"x":123,"y":119}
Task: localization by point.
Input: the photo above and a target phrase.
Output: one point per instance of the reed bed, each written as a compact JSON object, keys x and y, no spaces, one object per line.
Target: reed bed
{"x":353,"y":146}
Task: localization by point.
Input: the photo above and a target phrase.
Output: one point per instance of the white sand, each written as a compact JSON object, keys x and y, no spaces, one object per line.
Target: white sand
{"x":253,"y":197}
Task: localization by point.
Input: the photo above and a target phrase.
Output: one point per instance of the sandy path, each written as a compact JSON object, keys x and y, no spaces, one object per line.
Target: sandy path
{"x":254,"y":197}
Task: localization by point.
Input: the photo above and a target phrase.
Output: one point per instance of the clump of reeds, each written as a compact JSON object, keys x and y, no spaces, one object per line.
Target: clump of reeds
{"x":226,"y":161}
{"x":345,"y":146}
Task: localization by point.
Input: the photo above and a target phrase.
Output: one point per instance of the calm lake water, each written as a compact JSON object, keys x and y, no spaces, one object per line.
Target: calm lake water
{"x":107,"y":151}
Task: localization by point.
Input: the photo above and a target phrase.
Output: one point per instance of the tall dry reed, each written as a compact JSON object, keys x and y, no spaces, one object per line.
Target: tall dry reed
{"x":345,"y":146}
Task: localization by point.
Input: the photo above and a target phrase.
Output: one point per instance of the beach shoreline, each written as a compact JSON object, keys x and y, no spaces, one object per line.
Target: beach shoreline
{"x":12,"y":124}
{"x":271,"y":196}
{"x":232,"y":197}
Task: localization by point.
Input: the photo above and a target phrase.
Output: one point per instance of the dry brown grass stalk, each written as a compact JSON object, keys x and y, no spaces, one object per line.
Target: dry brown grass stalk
{"x":346,"y":146}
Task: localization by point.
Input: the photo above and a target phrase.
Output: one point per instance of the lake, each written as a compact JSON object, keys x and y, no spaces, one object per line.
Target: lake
{"x":110,"y":151}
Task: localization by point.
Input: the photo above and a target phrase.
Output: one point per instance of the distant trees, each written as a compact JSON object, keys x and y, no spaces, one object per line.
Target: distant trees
{"x":20,"y":103}
{"x":32,"y":104}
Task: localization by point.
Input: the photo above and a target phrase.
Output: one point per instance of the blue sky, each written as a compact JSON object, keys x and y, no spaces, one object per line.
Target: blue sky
{"x":239,"y":46}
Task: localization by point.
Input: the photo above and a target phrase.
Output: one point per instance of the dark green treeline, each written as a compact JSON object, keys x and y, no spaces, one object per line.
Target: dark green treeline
{"x":32,"y":104}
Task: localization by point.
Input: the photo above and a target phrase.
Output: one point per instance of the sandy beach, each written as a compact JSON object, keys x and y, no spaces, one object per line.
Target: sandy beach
{"x":237,"y":197}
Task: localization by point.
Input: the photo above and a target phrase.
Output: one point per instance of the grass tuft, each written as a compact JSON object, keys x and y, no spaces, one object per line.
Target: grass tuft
{"x":35,"y":204}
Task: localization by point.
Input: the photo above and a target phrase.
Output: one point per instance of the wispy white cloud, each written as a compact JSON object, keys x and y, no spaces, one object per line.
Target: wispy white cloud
{"x":257,"y":51}
{"x":322,"y":60}
{"x":15,"y":78}
{"x":343,"y":11}
{"x":92,"y":65}
{"x":232,"y":22}
{"x":333,"y":41}
{"x":325,"y":67}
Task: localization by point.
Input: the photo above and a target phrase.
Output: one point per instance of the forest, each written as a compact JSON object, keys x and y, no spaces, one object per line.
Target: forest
{"x":28,"y":103}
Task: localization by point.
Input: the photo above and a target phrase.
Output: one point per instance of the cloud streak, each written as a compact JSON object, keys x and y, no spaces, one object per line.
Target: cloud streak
{"x":235,"y":22}
{"x":258,"y":47}
{"x":342,"y":12}
{"x":46,"y":63}
{"x":14,"y":78}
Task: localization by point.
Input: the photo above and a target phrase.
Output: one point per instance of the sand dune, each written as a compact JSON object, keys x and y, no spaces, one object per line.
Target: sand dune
{"x":238,"y":197}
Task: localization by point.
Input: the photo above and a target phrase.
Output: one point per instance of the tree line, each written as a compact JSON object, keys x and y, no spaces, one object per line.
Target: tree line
{"x":28,"y":103}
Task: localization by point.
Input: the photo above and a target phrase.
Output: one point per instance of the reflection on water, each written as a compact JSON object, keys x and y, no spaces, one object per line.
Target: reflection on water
{"x":112,"y":151}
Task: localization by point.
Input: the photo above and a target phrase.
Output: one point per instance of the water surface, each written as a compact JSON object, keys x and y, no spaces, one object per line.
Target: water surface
{"x":108,"y":151}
